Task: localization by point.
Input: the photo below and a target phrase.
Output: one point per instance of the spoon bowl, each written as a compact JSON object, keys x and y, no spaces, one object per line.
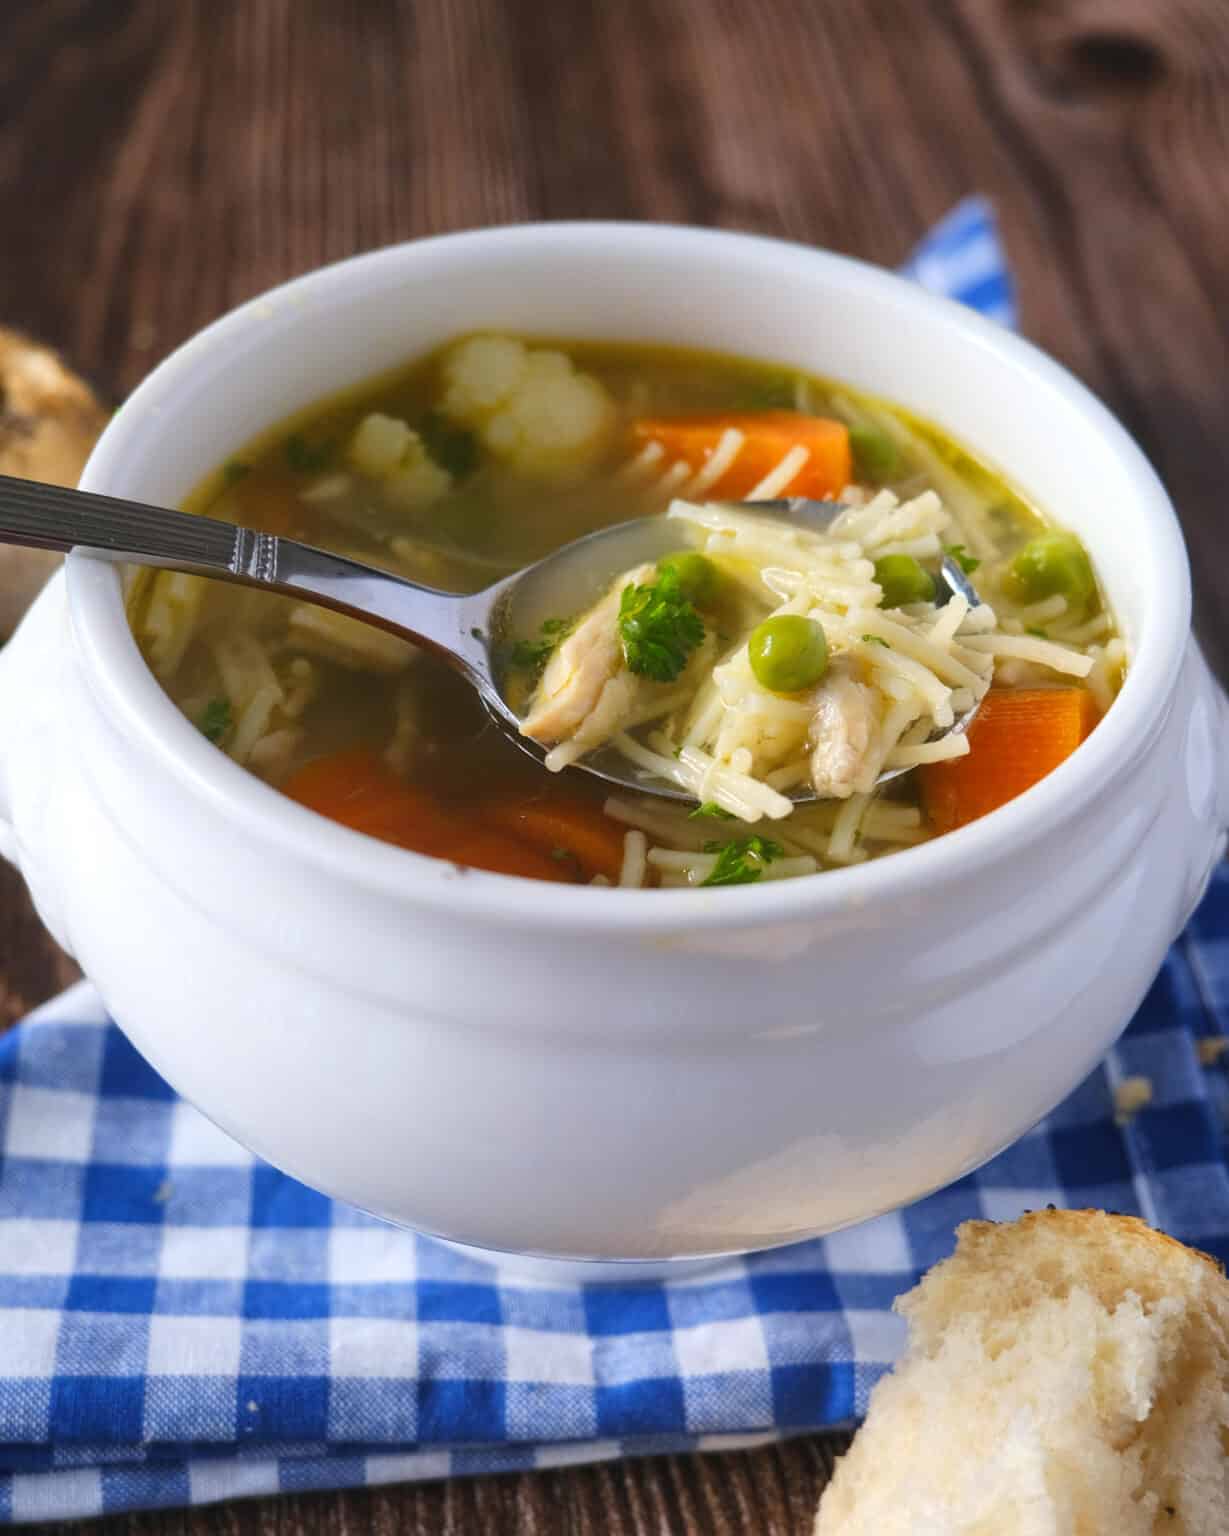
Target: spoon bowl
{"x":528,"y":598}
{"x":470,"y":632}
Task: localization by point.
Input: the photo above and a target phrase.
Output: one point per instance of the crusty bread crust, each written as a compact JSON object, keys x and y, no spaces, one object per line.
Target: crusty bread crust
{"x":49,"y":423}
{"x":1067,"y":1374}
{"x":1079,"y":1224}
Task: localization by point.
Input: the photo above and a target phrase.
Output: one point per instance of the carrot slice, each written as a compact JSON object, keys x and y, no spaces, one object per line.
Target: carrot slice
{"x":1016,"y":738}
{"x":568,"y":830}
{"x":767,"y":437}
{"x":357,"y":790}
{"x":341,"y":781}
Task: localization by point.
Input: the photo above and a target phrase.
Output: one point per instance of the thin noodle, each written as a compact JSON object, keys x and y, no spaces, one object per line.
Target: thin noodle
{"x":777,"y":480}
{"x":729,"y":446}
{"x":635,"y":845}
{"x":954,"y":745}
{"x":638,"y":469}
{"x":1025,"y":648}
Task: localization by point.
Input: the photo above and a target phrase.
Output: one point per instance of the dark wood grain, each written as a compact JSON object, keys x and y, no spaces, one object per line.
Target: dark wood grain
{"x":160,"y":162}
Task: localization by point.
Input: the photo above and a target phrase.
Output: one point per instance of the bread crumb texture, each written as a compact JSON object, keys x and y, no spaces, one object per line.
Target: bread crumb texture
{"x":1131,"y":1095}
{"x":49,"y":422}
{"x":1066,"y":1374}
{"x":49,"y":418}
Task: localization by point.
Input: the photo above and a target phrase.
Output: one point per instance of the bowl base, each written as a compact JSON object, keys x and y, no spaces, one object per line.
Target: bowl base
{"x":547,"y":1271}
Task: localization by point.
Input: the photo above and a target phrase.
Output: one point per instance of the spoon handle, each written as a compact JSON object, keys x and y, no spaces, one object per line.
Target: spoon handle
{"x":51,"y":517}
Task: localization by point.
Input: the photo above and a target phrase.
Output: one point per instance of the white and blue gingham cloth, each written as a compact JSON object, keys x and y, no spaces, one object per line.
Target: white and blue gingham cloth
{"x":181,"y":1323}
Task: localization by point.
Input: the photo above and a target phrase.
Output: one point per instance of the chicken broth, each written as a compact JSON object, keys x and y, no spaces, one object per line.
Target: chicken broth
{"x":495,"y":450}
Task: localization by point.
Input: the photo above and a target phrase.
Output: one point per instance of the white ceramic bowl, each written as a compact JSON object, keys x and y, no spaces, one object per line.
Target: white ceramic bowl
{"x":601,"y":1073}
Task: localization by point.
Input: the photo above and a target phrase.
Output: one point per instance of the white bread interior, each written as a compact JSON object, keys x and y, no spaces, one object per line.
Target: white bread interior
{"x":1067,"y":1373}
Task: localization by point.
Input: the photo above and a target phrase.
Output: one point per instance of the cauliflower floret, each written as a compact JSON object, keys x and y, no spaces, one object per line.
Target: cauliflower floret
{"x":556,"y":424}
{"x":389,"y":451}
{"x":379,"y":444}
{"x":529,"y":406}
{"x":420,"y":482}
{"x":479,"y":374}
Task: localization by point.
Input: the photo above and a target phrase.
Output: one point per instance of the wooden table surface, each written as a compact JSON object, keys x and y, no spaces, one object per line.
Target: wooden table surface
{"x":161,"y":162}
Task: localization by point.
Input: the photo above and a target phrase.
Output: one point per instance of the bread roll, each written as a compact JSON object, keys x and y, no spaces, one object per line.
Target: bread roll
{"x":1066,"y":1374}
{"x":49,"y":422}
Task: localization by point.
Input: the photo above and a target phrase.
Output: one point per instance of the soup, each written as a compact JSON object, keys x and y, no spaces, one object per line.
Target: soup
{"x":756,"y":662}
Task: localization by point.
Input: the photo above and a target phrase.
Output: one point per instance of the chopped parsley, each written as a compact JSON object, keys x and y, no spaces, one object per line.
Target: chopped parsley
{"x":967,"y":562}
{"x":532,"y":655}
{"x":658,"y":628}
{"x":216,"y":719}
{"x":742,"y":861}
{"x":874,"y":640}
{"x":308,"y":458}
{"x":710,"y":808}
{"x":235,"y":471}
{"x":452,"y":447}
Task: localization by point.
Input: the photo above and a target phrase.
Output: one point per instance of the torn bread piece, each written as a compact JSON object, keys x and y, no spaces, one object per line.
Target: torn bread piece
{"x":49,"y":423}
{"x":1066,"y":1374}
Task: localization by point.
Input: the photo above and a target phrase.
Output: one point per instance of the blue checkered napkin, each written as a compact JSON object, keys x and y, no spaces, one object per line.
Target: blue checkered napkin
{"x":181,"y":1323}
{"x":962,"y":259}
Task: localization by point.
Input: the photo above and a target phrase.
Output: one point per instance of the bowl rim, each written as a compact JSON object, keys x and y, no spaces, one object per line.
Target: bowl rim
{"x":130,"y":695}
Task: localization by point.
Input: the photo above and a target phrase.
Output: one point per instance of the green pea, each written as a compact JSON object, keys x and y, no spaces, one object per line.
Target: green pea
{"x":875,"y":455}
{"x":788,"y":652}
{"x":1053,"y":564}
{"x":698,"y":578}
{"x":903,"y":581}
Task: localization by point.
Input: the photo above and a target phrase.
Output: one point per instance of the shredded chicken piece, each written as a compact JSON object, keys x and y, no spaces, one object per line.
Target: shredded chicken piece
{"x":616,"y":708}
{"x":585,"y":689}
{"x":843,"y":737}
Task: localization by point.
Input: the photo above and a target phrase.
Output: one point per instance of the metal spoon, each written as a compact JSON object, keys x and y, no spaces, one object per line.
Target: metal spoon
{"x":466,"y":631}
